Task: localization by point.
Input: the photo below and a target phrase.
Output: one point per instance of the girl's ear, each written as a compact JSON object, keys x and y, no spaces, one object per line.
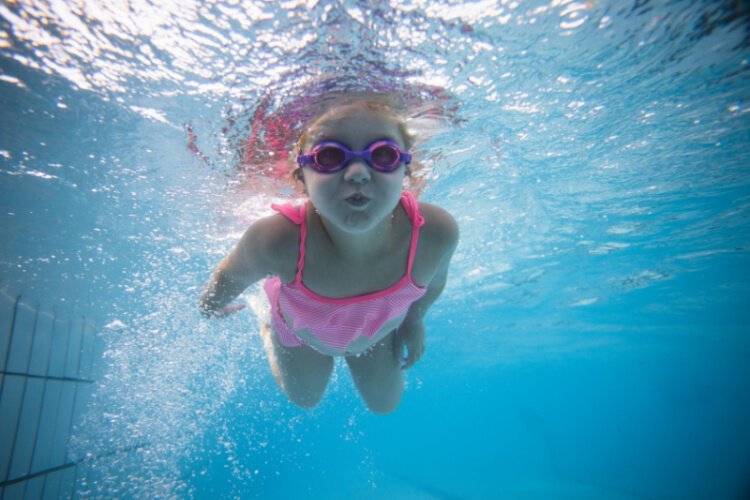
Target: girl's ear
{"x":297,"y":175}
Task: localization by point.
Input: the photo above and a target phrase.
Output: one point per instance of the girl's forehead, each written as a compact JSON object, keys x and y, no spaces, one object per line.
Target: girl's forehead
{"x":355,"y":128}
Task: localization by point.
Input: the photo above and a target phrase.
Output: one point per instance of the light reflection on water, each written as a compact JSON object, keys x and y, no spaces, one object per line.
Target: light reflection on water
{"x":594,"y":153}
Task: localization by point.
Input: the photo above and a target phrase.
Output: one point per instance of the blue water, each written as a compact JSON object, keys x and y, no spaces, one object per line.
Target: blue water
{"x":592,"y":340}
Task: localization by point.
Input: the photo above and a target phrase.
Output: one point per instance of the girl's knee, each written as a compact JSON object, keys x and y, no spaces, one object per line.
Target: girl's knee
{"x":304,"y":398}
{"x":382,"y":395}
{"x":383,"y":405}
{"x":301,"y":373}
{"x":379,"y":378}
{"x":306,"y":388}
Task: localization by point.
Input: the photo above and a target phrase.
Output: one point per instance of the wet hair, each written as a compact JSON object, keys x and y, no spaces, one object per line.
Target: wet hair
{"x":341,"y":107}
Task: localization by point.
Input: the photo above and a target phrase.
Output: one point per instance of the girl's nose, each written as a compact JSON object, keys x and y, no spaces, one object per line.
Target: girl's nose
{"x":357,"y":172}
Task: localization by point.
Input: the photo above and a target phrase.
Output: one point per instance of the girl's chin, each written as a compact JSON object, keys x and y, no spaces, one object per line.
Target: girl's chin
{"x":354,"y":219}
{"x":358,"y":222}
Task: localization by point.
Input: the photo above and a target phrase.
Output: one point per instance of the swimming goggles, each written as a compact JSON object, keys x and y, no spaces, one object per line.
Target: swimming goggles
{"x":330,"y":156}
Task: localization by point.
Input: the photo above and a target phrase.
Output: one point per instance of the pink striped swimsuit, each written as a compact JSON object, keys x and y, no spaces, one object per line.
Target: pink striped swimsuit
{"x":333,"y":322}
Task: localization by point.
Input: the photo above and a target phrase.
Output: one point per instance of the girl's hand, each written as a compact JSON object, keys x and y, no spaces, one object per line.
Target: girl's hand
{"x":410,"y":335}
{"x":231,"y":309}
{"x":227,"y":310}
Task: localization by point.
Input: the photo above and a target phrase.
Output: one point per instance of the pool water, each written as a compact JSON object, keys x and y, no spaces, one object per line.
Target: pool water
{"x":592,"y":340}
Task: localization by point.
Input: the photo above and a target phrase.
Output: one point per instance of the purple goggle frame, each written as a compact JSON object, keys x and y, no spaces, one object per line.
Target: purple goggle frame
{"x":331,"y":156}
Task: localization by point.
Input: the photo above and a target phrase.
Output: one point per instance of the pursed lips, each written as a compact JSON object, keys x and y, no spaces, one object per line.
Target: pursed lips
{"x":357,"y":199}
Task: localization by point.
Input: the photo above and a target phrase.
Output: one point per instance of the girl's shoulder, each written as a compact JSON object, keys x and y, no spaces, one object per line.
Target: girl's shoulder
{"x":276,"y":239}
{"x":276,"y":231}
{"x":440,"y":229}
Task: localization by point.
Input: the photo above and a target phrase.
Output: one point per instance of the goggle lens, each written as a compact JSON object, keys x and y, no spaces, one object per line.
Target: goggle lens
{"x":330,"y":157}
{"x":383,"y":156}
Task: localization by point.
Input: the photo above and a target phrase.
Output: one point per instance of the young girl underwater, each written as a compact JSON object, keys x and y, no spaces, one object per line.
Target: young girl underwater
{"x":352,"y":271}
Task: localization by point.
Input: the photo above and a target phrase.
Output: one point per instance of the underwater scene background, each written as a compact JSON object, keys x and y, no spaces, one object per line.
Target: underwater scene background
{"x":592,"y":340}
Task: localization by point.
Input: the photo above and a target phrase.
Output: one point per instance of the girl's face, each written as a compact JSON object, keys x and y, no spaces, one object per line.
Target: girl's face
{"x":358,"y":197}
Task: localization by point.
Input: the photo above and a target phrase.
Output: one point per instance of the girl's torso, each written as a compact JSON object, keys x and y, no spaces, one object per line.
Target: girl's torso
{"x":329,"y":278}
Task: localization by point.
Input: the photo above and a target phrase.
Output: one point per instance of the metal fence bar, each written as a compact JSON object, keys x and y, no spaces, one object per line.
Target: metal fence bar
{"x":28,"y":477}
{"x":9,"y":343}
{"x":78,"y":375}
{"x":48,"y":377}
{"x":13,"y":453}
{"x":75,"y":393}
{"x":68,"y":465}
{"x":59,"y":403}
{"x":62,"y":391}
{"x":9,"y":346}
{"x":90,"y":370}
{"x":32,"y":457}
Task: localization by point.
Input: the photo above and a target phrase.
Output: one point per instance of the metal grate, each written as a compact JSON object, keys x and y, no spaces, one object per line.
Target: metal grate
{"x":46,"y":377}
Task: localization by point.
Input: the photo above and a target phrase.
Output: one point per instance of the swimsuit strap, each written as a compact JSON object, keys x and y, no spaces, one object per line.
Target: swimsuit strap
{"x":297,"y":216}
{"x":411,"y":205}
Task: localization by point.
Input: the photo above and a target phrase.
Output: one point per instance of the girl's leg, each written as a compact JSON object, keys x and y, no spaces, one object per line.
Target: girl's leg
{"x":301,"y":372}
{"x":378,"y":376}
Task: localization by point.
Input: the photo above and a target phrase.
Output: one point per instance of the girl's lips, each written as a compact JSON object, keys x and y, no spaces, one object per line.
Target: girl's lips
{"x":357,"y":200}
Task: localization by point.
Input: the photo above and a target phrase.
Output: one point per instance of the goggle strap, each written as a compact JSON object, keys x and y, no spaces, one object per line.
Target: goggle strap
{"x":305,"y":160}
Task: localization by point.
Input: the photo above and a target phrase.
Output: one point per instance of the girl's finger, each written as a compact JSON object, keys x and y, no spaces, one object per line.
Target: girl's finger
{"x":236,"y":307}
{"x":410,"y":359}
{"x":398,"y":350}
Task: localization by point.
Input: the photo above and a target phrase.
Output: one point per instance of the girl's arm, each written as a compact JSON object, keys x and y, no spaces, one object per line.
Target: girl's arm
{"x":419,"y":308}
{"x":411,"y":332}
{"x":440,"y":235}
{"x":254,"y":258}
